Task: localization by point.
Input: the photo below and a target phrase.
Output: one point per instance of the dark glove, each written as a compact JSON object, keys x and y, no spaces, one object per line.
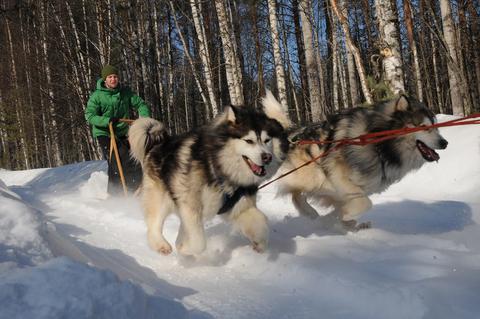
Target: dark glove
{"x":114,"y":120}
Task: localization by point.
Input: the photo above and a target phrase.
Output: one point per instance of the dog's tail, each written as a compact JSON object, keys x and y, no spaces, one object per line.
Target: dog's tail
{"x":143,"y":135}
{"x":274,"y":110}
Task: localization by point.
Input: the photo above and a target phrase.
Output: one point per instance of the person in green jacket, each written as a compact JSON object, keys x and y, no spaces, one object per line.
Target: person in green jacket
{"x":109,"y":103}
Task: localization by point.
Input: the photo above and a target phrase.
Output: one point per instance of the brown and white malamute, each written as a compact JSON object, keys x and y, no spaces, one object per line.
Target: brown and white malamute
{"x":213,"y":170}
{"x":346,"y":176}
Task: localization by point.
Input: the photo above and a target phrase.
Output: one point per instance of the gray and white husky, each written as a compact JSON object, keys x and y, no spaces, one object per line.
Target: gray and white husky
{"x":213,"y":170}
{"x":346,"y":176}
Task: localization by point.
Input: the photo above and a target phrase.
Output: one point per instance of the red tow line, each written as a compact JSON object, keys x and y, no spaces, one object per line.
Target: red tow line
{"x":376,"y":137}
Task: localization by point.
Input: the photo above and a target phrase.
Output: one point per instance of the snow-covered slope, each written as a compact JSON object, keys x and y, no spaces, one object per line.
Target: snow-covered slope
{"x":67,"y":251}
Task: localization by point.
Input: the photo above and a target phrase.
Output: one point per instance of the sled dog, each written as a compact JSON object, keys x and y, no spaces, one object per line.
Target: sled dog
{"x":345,"y":177}
{"x":215,"y":169}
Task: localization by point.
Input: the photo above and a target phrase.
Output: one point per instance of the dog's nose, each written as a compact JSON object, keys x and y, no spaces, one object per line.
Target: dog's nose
{"x":443,"y":143}
{"x":266,"y":158}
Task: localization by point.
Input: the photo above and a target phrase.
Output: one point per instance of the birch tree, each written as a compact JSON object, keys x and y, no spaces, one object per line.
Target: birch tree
{"x":407,"y":10}
{"x":189,"y":58}
{"x":232,"y":62}
{"x":277,"y":55}
{"x":196,"y":7}
{"x":452,"y":61}
{"x":55,"y":142}
{"x":390,"y":46}
{"x":318,"y":112}
{"x":354,"y":50}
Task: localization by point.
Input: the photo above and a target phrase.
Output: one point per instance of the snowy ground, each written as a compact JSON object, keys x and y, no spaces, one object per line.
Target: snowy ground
{"x":67,"y":253}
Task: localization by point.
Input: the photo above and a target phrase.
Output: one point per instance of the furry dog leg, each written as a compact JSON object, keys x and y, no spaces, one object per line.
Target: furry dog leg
{"x":355,"y":206}
{"x":354,"y":202}
{"x":303,"y":207}
{"x":155,"y":217}
{"x":253,"y":224}
{"x":191,"y":236}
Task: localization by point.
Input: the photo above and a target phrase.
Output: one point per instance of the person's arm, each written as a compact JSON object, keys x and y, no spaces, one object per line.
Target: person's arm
{"x":139,"y":105}
{"x":93,"y":113}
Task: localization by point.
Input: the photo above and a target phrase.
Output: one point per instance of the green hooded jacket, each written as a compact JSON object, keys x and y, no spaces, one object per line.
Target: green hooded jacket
{"x":106,"y":103}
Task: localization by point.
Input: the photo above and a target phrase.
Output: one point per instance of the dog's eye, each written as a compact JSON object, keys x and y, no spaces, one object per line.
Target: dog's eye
{"x":249,"y":141}
{"x":267,"y":140}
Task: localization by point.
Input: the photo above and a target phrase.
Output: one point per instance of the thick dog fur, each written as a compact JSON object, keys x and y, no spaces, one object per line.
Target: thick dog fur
{"x":193,"y":174}
{"x":347,"y":176}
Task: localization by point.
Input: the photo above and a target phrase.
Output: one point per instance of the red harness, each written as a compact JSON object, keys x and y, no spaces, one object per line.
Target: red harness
{"x":376,"y":137}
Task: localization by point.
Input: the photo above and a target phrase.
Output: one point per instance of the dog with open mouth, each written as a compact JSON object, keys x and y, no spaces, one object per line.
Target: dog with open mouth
{"x":346,"y":176}
{"x":215,"y":169}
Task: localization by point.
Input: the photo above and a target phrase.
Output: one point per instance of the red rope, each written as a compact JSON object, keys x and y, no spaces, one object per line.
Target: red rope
{"x":376,"y":137}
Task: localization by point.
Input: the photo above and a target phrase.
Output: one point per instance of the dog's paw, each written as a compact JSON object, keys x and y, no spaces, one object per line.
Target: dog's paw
{"x":353,"y":226}
{"x":355,"y":207}
{"x":188,"y":248}
{"x":162,"y":247}
{"x":259,"y":247}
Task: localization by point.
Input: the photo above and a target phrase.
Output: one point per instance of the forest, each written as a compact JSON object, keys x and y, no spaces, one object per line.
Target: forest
{"x":188,"y":59}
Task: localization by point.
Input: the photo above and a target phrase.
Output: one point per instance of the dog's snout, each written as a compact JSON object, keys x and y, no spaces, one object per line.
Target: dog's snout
{"x":266,"y":158}
{"x":443,"y":143}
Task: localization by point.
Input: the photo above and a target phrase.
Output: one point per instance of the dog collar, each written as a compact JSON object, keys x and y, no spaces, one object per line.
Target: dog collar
{"x":230,"y":200}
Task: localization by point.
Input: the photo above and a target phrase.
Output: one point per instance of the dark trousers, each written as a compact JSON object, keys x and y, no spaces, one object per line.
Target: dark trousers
{"x":131,"y":170}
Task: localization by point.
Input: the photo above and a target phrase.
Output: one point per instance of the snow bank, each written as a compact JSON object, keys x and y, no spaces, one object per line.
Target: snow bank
{"x":34,"y":284}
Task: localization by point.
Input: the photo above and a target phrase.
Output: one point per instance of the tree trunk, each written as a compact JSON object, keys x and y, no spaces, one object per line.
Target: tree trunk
{"x":453,"y":76}
{"x":413,"y":46}
{"x":390,"y":46}
{"x":53,"y":126}
{"x":258,"y":53}
{"x":438,"y":90}
{"x":318,"y":112}
{"x":204,"y":53}
{"x":232,"y":63}
{"x":189,"y":58}
{"x":16,"y":93}
{"x":103,"y":31}
{"x":301,"y":58}
{"x":475,"y":38}
{"x":354,"y":50}
{"x":277,"y":55}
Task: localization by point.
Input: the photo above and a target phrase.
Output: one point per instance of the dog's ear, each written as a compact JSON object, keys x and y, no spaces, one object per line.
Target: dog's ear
{"x":274,"y":110}
{"x":232,"y":113}
{"x":402,"y":103}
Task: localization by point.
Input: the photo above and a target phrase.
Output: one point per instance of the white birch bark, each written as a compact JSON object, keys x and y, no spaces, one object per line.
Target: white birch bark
{"x":28,"y":76}
{"x":335,"y":77}
{"x":232,"y":67}
{"x":204,"y":53}
{"x":170,"y":84}
{"x":343,"y":79}
{"x":392,"y":60}
{"x":452,"y":62}
{"x":318,"y":113}
{"x":103,"y":34}
{"x":320,"y":75}
{"x":352,"y":79}
{"x":158,"y":58}
{"x":277,"y":54}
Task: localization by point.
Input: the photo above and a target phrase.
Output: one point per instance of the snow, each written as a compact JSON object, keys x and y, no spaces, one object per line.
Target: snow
{"x":69,"y":251}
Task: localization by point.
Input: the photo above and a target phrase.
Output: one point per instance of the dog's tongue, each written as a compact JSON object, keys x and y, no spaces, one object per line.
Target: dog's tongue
{"x":428,"y":154}
{"x":258,"y":170}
